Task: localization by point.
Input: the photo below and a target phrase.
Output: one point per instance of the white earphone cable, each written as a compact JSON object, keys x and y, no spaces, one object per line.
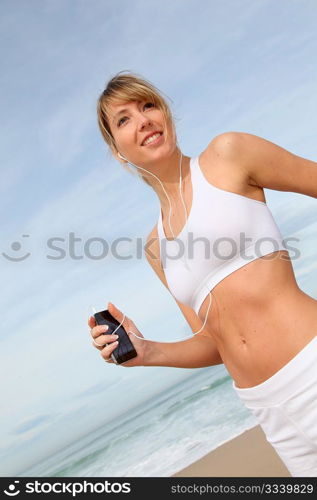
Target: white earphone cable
{"x":169,"y":222}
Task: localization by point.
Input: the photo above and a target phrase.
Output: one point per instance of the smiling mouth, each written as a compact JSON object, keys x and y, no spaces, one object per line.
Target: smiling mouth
{"x":153,"y":138}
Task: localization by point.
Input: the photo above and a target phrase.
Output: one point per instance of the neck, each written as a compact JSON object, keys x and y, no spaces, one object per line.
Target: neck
{"x":169,"y":172}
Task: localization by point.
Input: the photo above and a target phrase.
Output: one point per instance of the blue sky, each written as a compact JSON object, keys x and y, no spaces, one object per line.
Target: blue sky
{"x":243,"y":65}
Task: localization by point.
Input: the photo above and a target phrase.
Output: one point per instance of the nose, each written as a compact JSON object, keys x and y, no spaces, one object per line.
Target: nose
{"x":143,"y":121}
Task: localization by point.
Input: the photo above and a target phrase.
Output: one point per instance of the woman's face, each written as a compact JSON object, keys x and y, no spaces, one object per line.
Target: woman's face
{"x":138,"y":130}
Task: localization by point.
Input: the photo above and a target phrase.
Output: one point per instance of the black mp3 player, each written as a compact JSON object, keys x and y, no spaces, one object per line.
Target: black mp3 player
{"x":125,"y":349}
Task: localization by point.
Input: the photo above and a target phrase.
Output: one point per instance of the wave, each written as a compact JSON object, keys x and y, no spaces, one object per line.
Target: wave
{"x":179,"y":405}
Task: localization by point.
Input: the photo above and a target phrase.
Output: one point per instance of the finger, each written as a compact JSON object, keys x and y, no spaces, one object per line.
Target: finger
{"x":91,"y":322}
{"x":98,"y":345}
{"x":98,"y":330}
{"x":102,"y":340}
{"x":106,"y":352}
{"x":117,"y":314}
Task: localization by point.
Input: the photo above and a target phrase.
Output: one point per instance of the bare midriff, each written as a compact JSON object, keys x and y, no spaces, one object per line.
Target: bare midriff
{"x":260,"y":318}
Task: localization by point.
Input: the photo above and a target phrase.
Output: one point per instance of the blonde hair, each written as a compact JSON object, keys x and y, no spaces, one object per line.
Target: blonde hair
{"x":127,"y":87}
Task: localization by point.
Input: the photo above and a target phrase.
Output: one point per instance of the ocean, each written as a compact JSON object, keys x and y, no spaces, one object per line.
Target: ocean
{"x":161,"y":436}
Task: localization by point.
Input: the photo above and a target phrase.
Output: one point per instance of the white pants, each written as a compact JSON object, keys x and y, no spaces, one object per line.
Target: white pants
{"x":286,"y":408}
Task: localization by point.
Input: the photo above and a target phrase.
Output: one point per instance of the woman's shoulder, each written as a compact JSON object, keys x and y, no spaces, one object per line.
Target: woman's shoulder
{"x":222,"y":156}
{"x":222,"y":165}
{"x":225,"y":146}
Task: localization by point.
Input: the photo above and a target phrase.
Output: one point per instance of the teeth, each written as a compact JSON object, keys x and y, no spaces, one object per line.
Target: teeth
{"x":151,"y":138}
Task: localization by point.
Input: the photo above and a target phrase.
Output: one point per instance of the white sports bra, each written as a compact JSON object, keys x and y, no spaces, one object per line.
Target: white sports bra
{"x":224,"y":231}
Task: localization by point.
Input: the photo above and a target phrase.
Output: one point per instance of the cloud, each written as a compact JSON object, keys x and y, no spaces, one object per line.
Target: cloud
{"x":32,"y":423}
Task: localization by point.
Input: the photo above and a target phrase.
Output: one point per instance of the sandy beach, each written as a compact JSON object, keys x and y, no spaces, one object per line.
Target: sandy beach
{"x":247,"y":455}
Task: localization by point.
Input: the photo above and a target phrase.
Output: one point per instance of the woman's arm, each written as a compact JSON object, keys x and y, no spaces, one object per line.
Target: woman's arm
{"x":195,"y":352}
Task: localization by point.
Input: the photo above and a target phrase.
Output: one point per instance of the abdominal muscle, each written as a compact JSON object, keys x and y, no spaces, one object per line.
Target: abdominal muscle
{"x":259,"y":318}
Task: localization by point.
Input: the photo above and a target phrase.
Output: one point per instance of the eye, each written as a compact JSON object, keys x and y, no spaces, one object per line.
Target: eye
{"x":122,"y":120}
{"x":151,"y":104}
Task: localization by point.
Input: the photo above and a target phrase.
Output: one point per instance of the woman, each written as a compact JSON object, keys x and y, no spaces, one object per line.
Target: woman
{"x":260,"y":324}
